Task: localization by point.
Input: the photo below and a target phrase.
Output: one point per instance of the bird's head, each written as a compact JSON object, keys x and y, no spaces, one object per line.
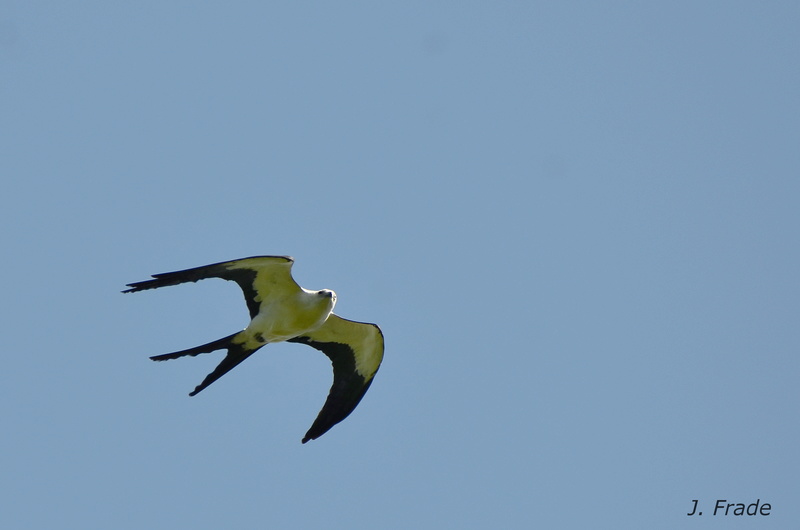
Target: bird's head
{"x":327,"y":293}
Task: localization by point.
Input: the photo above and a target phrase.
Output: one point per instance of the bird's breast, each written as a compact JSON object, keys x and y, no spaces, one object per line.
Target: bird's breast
{"x":290,"y":317}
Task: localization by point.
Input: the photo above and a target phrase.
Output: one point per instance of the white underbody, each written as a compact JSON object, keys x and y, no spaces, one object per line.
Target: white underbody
{"x":287,"y":315}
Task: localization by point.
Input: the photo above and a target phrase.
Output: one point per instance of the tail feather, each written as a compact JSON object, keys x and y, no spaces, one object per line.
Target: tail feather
{"x":236,"y":354}
{"x":220,"y":344}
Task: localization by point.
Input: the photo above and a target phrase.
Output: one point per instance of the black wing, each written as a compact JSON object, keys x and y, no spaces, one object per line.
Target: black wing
{"x":251,"y":274}
{"x":356,"y":351}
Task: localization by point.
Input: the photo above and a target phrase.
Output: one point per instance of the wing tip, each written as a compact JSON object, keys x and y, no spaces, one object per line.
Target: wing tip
{"x":132,"y":288}
{"x":310,"y":435}
{"x":152,"y":283}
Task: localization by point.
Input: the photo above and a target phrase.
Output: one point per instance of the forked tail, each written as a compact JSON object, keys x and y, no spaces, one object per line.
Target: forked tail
{"x":220,"y":344}
{"x":236,"y":354}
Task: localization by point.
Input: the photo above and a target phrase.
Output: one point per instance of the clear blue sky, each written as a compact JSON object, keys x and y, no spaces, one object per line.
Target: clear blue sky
{"x":577,"y":224}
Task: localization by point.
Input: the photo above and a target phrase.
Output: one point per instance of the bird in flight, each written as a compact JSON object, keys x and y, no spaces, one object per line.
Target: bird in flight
{"x":281,"y":310}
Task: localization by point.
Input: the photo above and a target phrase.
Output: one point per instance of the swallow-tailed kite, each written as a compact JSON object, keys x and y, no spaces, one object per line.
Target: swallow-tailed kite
{"x":281,"y":310}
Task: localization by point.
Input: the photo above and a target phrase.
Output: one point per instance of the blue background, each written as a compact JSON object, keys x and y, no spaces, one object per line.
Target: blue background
{"x":576,"y":223}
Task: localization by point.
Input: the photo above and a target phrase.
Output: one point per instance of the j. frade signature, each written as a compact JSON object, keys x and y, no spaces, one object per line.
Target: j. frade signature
{"x":723,"y":507}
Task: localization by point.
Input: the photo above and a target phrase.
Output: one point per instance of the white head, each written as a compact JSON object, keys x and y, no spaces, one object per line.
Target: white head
{"x":327,"y":293}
